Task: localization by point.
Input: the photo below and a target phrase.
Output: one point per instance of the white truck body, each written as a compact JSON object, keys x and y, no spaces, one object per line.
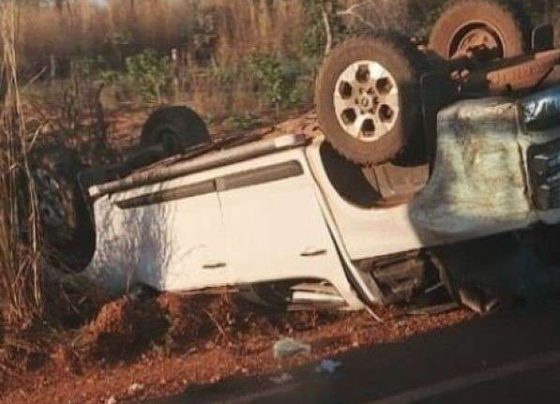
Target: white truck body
{"x":269,"y":212}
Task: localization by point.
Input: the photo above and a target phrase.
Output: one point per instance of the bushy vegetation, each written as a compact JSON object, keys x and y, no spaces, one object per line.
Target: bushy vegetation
{"x":229,"y":56}
{"x":277,"y":78}
{"x":147,"y":74}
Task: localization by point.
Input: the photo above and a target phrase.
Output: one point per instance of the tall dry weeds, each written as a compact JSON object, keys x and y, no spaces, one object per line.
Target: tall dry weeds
{"x":21,"y":281}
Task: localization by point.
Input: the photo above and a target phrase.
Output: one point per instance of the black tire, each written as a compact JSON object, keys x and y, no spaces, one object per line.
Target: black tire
{"x":66,"y":222}
{"x":264,"y":297}
{"x":404,"y":62}
{"x":176,"y":128}
{"x":503,"y":25}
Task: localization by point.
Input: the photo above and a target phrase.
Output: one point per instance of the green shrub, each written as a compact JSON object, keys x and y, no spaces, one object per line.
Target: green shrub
{"x":277,"y":78}
{"x":149,"y":75}
{"x":146,"y":75}
{"x":315,"y":36}
{"x":89,"y":68}
{"x":242,"y":122}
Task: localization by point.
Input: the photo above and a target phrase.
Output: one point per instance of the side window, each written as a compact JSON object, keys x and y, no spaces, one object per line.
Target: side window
{"x":169,"y":195}
{"x":243,"y":179}
{"x":259,"y":176}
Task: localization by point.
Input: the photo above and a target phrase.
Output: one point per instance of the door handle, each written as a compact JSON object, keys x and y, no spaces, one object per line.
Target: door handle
{"x":214,"y":265}
{"x":314,"y":252}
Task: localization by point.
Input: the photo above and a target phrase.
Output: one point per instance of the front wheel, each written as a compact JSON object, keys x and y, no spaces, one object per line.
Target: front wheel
{"x":368,"y":98}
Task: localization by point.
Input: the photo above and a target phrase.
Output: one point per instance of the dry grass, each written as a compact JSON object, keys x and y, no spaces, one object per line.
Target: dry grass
{"x":239,"y":27}
{"x":234,"y":28}
{"x":230,"y":29}
{"x":21,"y":283}
{"x":225,"y":32}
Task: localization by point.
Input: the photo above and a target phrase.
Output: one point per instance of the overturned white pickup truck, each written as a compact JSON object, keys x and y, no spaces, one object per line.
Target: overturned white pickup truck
{"x":299,"y":224}
{"x":414,"y":167}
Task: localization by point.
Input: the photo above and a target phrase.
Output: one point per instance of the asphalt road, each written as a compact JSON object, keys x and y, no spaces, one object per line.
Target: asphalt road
{"x":511,"y":357}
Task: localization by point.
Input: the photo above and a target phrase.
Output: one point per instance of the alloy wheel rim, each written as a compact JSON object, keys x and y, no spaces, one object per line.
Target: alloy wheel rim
{"x":366,"y":101}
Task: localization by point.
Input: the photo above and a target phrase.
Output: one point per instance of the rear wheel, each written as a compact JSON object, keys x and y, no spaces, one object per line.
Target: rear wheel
{"x":368,"y":98}
{"x":66,"y":223}
{"x":176,"y":128}
{"x":483,"y":30}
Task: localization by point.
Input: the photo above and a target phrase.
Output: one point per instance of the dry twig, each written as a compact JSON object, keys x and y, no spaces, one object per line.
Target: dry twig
{"x":353,"y":12}
{"x":21,"y":281}
{"x":328,"y":30}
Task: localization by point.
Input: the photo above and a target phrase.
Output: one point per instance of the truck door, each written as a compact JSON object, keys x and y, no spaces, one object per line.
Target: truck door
{"x":179,"y":235}
{"x":274,"y":224}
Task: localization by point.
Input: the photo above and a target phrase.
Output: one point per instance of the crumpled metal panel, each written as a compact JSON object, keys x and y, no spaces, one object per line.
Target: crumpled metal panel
{"x":541,"y":110}
{"x":541,"y":129}
{"x":478,"y":187}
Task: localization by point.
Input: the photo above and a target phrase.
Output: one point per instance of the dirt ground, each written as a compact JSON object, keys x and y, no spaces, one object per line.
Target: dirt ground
{"x":134,"y":351}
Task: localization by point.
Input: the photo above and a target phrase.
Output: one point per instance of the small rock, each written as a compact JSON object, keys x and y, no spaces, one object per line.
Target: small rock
{"x":281,"y":379}
{"x":111,"y":400}
{"x":135,"y":388}
{"x":289,"y":347}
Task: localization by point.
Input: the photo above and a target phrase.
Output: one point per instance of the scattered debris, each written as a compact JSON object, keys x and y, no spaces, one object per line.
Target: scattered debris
{"x":472,"y":299}
{"x":478,"y":300}
{"x":374,"y":315}
{"x":432,"y":289}
{"x":111,"y":400}
{"x":289,"y":347}
{"x":492,"y":304}
{"x":135,"y":388}
{"x":282,"y":379}
{"x":328,"y":366}
{"x":433,"y":310}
